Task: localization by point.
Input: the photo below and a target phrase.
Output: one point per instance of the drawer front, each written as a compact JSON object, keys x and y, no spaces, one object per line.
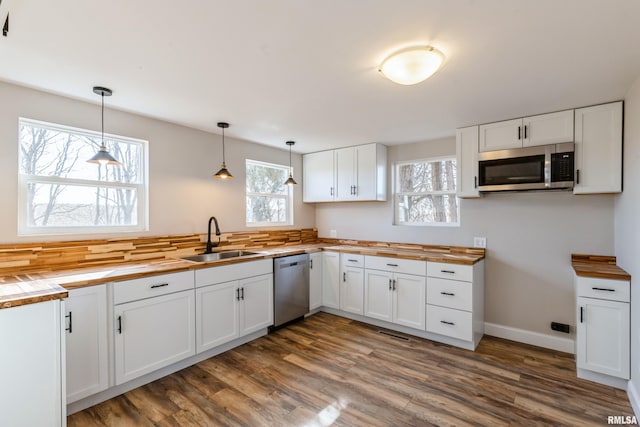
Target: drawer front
{"x":450,"y":271}
{"x":613,"y":290}
{"x":449,"y":293}
{"x":452,"y":323}
{"x":229,"y":272}
{"x":352,"y":260}
{"x":397,"y":265}
{"x":151,"y":286}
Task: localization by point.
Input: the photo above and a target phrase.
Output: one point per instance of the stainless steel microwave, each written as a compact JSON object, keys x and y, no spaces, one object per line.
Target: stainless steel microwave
{"x":544,"y":167}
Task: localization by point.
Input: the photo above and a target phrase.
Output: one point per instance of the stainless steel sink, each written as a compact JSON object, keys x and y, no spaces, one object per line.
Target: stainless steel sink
{"x":217,"y":256}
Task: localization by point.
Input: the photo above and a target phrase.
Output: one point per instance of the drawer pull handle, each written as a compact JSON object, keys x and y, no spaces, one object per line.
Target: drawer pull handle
{"x":238,"y":294}
{"x":390,"y":284}
{"x":120,"y":324}
{"x":581,"y":315}
{"x":447,"y":323}
{"x":311,"y":264}
{"x":394,"y":284}
{"x":352,"y":260}
{"x":448,"y":293}
{"x":70,"y":317}
{"x":604,"y":289}
{"x":392,"y":265}
{"x":448,"y":271}
{"x":344,"y":277}
{"x":242,"y":294}
{"x":161,"y":285}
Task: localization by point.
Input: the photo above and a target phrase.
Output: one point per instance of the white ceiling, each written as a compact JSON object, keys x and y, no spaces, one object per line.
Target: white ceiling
{"x":307,"y":69}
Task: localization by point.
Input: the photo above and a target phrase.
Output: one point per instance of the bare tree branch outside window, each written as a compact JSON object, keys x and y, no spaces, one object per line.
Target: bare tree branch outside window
{"x":268,"y":199}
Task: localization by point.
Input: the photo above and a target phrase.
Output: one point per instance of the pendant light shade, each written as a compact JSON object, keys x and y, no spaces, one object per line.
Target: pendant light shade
{"x":223,"y":173}
{"x":103,"y":157}
{"x":290,"y":180}
{"x":411,"y":66}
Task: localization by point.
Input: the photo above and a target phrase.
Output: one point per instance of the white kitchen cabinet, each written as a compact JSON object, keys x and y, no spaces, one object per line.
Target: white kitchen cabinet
{"x":347,"y":174}
{"x":232,"y":301}
{"x":603,"y":330}
{"x":542,"y":129}
{"x":32,"y":365}
{"x":352,"y":284}
{"x":315,"y":280}
{"x":455,"y":301}
{"x":154,"y":323}
{"x":467,"y":162}
{"x":331,"y":279}
{"x":318,"y":182}
{"x":393,"y":295}
{"x":86,"y":342}
{"x":598,"y":150}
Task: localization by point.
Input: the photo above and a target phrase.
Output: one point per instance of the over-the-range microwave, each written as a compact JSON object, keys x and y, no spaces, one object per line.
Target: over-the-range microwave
{"x":545,"y":167}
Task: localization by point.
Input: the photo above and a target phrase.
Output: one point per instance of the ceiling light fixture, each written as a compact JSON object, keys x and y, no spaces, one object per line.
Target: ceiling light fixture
{"x":223,"y":173}
{"x":411,"y":65}
{"x":290,"y":180}
{"x":103,"y":157}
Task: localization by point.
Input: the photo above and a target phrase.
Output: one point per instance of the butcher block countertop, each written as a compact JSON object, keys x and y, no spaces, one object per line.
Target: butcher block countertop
{"x":34,"y":287}
{"x":598,"y":266}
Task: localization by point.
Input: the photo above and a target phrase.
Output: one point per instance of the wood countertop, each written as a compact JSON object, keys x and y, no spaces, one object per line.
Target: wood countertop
{"x":22,"y":289}
{"x":598,"y":266}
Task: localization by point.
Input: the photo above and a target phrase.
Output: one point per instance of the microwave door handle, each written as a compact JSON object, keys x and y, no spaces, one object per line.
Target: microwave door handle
{"x":547,"y":166}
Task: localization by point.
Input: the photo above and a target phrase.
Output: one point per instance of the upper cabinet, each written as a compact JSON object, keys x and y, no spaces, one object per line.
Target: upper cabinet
{"x":346,"y":174}
{"x":467,"y":162}
{"x":543,"y":129}
{"x":598,"y":154}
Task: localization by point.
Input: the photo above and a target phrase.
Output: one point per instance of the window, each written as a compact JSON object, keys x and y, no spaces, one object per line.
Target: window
{"x":425,"y":192}
{"x":269,"y":201}
{"x":59,"y":192}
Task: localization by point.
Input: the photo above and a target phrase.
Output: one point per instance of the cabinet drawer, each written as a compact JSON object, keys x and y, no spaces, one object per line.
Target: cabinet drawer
{"x":613,"y":290}
{"x":450,"y":271}
{"x":398,"y":265}
{"x":452,"y":323}
{"x":449,"y":293}
{"x":229,"y":272}
{"x":352,"y":260}
{"x":152,"y":286}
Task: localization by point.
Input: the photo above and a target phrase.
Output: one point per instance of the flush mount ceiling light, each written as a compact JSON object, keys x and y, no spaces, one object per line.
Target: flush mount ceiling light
{"x":411,"y":65}
{"x":290,"y":180}
{"x":223,"y":173}
{"x":103,"y":157}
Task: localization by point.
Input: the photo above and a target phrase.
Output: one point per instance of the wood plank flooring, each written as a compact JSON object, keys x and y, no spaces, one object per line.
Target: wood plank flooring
{"x":328,"y":370}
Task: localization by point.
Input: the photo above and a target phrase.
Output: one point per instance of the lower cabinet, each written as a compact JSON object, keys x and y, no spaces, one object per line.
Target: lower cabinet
{"x":256,"y":303}
{"x":86,"y":342}
{"x":331,"y":279}
{"x":315,"y":280}
{"x":352,"y":283}
{"x":216,"y":315}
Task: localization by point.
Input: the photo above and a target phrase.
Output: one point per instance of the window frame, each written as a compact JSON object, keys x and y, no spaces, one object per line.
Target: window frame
{"x":287,"y":197}
{"x":24,"y":180}
{"x":397,"y":193}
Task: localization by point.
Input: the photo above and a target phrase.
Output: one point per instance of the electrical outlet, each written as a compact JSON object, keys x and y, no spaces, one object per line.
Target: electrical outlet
{"x":333,"y":234}
{"x":479,"y":242}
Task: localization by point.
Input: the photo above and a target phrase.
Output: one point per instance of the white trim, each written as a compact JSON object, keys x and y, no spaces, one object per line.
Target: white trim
{"x":566,"y":345}
{"x":634,"y":398}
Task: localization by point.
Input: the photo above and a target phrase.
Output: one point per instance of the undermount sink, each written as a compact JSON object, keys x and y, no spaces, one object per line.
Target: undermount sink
{"x":217,"y":256}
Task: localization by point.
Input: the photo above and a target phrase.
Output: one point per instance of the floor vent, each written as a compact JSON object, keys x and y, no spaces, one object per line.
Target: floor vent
{"x":392,"y":335}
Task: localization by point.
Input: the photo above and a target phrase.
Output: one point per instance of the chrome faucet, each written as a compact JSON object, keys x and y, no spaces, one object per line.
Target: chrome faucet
{"x":210,"y":244}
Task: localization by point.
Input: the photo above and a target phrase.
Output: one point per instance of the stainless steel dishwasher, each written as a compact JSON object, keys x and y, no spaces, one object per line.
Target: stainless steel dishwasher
{"x":290,"y":288}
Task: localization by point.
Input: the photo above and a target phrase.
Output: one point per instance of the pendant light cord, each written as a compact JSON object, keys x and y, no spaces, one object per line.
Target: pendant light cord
{"x":223,"y":160}
{"x":102,"y":128}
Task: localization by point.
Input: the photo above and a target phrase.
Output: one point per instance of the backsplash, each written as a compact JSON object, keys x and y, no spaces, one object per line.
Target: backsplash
{"x":404,"y":246}
{"x":24,"y":258}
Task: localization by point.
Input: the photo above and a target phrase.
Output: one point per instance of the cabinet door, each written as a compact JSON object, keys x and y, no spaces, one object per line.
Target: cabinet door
{"x":315,"y":280}
{"x":603,"y":335}
{"x":366,"y":172}
{"x":86,"y":342}
{"x":598,"y":152}
{"x":378,"y":295}
{"x":318,"y":177}
{"x":352,"y":290}
{"x":256,"y":303}
{"x":409,"y":301}
{"x":153,"y":333}
{"x":345,"y":173}
{"x":501,"y":135}
{"x":330,"y":279}
{"x":552,"y":128}
{"x":216,"y":315}
{"x":467,"y":162}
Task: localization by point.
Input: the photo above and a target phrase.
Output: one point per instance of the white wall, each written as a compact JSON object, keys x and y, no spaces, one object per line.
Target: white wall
{"x":182,"y":192}
{"x":530,"y":238}
{"x":627,"y":216}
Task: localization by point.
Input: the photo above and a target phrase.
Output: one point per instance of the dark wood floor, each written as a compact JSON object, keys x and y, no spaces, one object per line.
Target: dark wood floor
{"x":329,"y":370}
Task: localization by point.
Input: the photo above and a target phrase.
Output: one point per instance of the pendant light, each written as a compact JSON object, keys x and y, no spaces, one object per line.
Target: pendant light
{"x":103,"y":157}
{"x":223,"y":173}
{"x":290,"y":180}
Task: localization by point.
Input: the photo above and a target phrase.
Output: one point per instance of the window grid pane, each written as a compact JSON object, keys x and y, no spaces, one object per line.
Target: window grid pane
{"x":268,"y":200}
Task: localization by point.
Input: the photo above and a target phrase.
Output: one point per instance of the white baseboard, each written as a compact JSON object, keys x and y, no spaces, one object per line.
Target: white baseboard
{"x":634,"y":398}
{"x":566,"y":345}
